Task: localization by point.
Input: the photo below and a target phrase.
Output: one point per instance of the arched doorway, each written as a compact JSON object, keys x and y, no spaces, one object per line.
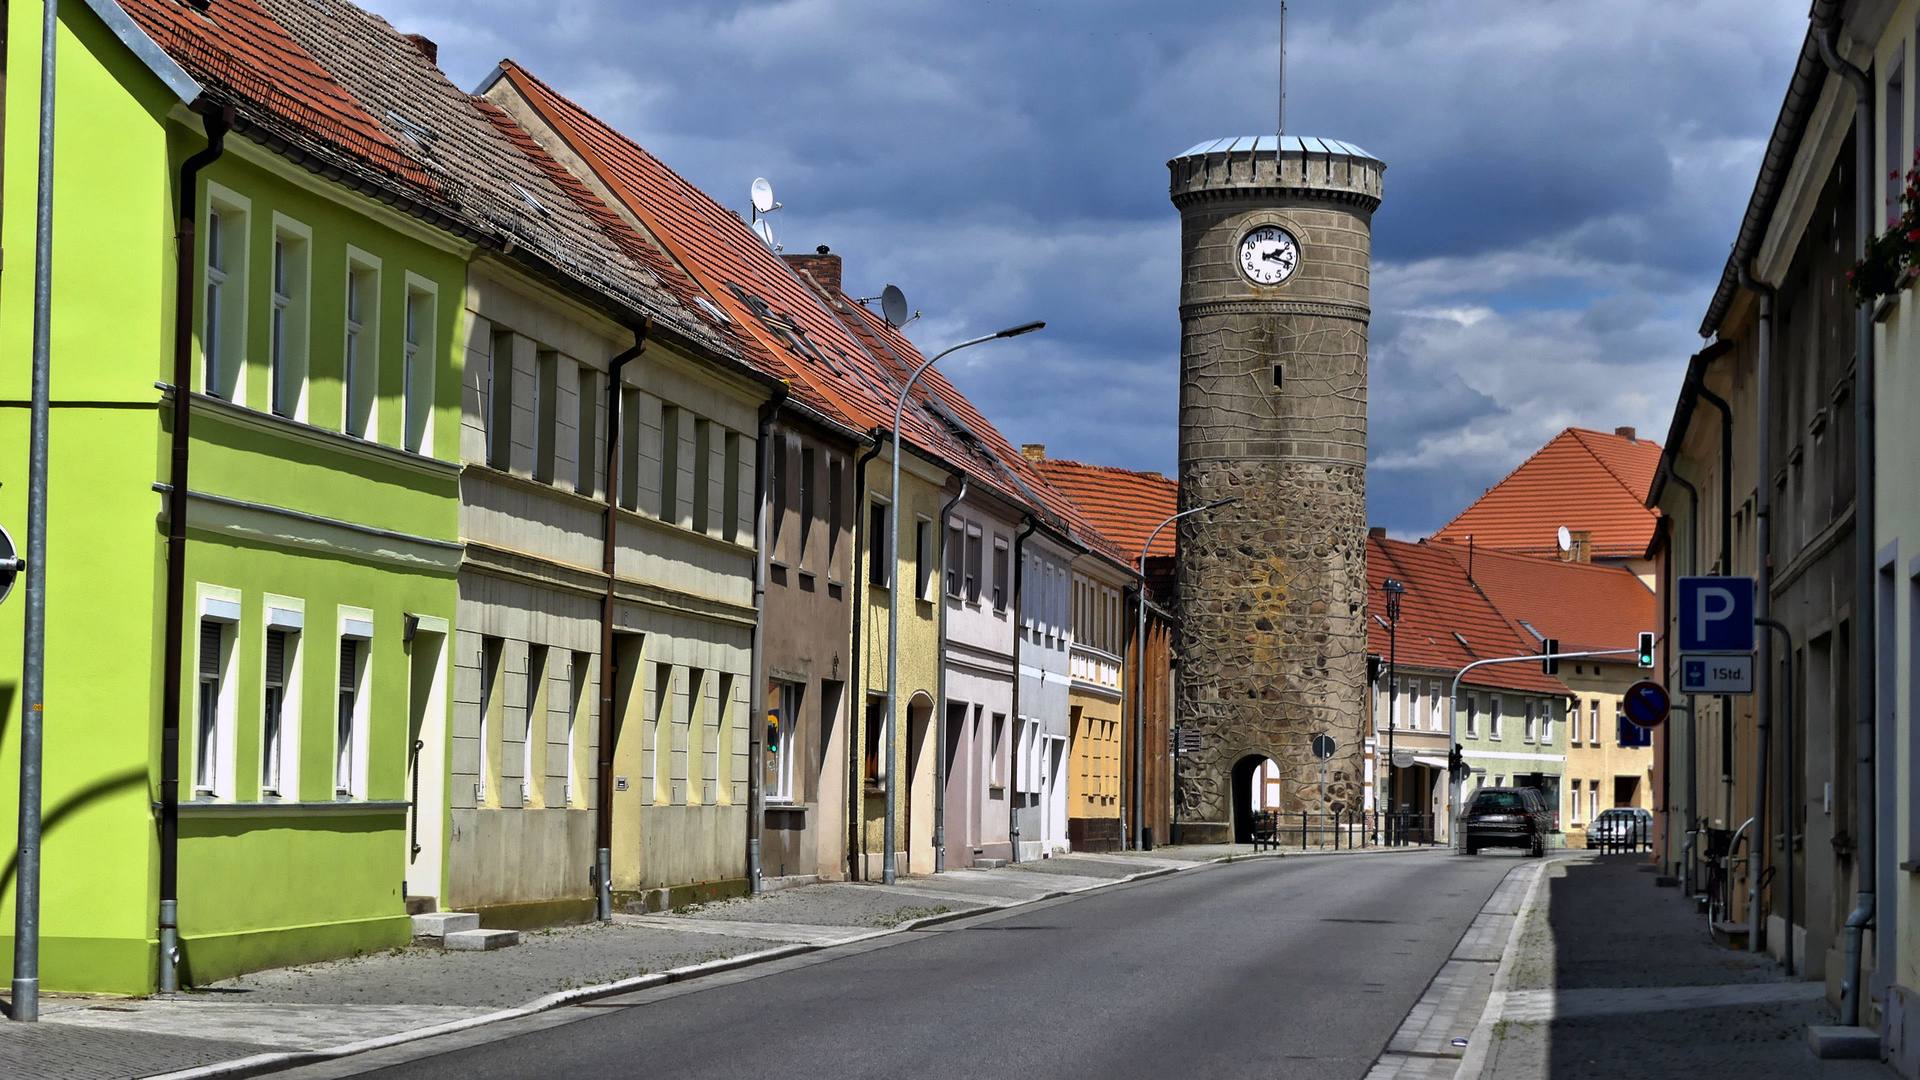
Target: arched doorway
{"x":1251,"y":772}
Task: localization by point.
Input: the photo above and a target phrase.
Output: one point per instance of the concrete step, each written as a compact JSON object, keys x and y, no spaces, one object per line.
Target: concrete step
{"x":1731,"y":934}
{"x":989,"y":864}
{"x":422,"y":905}
{"x":1855,"y":1043}
{"x":439,"y":924}
{"x":481,"y":940}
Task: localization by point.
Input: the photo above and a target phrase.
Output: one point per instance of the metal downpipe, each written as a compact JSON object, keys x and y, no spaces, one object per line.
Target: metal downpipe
{"x":1762,"y":605}
{"x":603,"y":814}
{"x":1028,"y":525}
{"x":757,"y":690}
{"x":1692,"y":847}
{"x":856,"y":783}
{"x":940,"y":691}
{"x":185,"y":291}
{"x":1865,"y":583}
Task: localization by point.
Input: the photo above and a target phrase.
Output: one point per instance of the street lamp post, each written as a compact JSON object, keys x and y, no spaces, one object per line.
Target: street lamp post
{"x":1394,"y":589}
{"x":1140,"y":680}
{"x":887,"y":874}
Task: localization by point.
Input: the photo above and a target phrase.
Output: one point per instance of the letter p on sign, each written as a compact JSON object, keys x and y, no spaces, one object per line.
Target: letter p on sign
{"x":1716,"y":614}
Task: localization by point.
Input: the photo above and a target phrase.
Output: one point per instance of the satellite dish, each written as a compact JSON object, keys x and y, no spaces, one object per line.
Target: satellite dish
{"x":762,"y":195}
{"x":1565,"y":538}
{"x":893,"y":305}
{"x":764,"y":231}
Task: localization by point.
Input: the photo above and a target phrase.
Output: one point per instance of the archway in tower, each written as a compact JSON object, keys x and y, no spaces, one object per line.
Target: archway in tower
{"x":1256,"y":786}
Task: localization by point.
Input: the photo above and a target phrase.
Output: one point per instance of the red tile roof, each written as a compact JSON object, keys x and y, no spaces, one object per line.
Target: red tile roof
{"x":1590,"y":481}
{"x":831,"y":349}
{"x":1445,"y":621}
{"x":241,"y":55}
{"x":1584,"y":606}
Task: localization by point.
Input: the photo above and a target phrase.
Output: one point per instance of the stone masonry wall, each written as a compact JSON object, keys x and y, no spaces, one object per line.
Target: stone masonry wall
{"x":1273,"y":400}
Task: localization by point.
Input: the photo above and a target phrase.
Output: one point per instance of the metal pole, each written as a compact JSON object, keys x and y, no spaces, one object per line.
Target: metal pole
{"x":889,"y":732}
{"x":26,"y":908}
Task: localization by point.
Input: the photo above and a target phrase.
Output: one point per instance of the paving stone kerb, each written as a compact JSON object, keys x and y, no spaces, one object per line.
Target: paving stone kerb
{"x":1273,"y":412}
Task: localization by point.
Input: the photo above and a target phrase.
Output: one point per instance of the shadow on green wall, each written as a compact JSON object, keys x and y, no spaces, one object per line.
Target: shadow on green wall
{"x":51,"y":820}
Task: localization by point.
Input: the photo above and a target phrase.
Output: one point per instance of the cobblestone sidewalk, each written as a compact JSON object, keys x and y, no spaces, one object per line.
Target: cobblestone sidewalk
{"x":1613,"y":976}
{"x":318,"y":1006}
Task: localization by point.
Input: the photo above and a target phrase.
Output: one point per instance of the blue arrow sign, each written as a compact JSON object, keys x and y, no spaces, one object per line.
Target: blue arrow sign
{"x":1716,"y":614}
{"x":1646,"y":703}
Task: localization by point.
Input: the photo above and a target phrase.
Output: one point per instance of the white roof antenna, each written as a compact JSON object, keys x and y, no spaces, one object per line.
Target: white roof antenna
{"x":763,"y":204}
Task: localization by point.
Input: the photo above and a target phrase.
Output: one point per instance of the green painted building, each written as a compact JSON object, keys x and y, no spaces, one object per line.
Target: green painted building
{"x":322,"y":524}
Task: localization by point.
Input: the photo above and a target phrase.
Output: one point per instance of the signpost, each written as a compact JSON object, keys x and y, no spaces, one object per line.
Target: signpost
{"x":1323,"y":748}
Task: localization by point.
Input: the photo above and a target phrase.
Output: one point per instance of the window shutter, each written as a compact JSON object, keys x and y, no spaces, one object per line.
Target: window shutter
{"x":211,"y":634}
{"x":349,"y":662}
{"x":276,"y":657}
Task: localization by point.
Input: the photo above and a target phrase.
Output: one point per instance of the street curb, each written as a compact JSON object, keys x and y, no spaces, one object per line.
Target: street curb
{"x":260,"y":1064}
{"x":1474,"y":1061}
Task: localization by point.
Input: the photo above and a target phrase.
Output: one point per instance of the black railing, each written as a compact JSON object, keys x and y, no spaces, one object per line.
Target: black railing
{"x":1337,"y":829}
{"x":1615,"y":837}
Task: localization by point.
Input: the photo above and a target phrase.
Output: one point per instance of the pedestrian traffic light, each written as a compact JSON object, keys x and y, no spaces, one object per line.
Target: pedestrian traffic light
{"x":1550,"y":662}
{"x":1457,"y":762}
{"x":773,"y":731}
{"x":1646,"y":649}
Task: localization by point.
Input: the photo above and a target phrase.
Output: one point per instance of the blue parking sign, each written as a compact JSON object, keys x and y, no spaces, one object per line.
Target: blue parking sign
{"x":1716,"y":614}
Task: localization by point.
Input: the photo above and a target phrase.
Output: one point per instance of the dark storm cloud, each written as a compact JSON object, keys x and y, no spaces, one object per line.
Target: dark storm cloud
{"x":1564,"y":178}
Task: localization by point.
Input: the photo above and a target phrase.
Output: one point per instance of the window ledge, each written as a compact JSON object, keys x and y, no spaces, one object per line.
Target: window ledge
{"x":282,"y":807}
{"x":275,"y":424}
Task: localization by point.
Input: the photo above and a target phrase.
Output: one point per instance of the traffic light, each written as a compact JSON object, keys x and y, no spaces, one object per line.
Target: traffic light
{"x":1373,"y":669}
{"x":773,"y":731}
{"x":1550,"y":664}
{"x":1646,"y":649}
{"x":1457,"y":762}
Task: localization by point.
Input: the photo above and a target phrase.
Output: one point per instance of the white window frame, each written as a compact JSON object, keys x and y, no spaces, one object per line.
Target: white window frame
{"x":535,"y":687}
{"x":1494,"y":716}
{"x":1531,"y":732}
{"x":1593,"y":730}
{"x":350,"y":728}
{"x":212,"y":769}
{"x":224,"y":248}
{"x":289,"y":337}
{"x":1546,"y":721}
{"x":579,"y":691}
{"x":420,"y":364}
{"x":285,"y":615}
{"x":1573,"y":791}
{"x":1473,"y":716}
{"x":360,"y":346}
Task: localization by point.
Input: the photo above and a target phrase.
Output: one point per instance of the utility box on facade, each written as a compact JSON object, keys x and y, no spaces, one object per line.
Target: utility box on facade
{"x":1275,"y":238}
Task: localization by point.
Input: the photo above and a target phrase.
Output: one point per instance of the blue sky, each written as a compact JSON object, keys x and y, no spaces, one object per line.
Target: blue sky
{"x":1564,"y":178}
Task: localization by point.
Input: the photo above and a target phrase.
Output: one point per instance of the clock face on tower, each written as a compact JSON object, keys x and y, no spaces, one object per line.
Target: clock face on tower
{"x":1269,"y":255}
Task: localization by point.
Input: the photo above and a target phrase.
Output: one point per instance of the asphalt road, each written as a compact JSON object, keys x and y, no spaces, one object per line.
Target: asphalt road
{"x":1271,"y":968}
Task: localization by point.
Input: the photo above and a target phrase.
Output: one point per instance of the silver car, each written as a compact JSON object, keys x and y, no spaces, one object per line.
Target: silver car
{"x":1622,"y":828}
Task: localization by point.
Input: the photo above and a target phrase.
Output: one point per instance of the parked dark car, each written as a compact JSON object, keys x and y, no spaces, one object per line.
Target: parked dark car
{"x":1507,"y":817}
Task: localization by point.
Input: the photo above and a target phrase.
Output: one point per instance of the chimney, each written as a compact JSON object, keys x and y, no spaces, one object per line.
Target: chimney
{"x":1034,"y":451}
{"x":1377,"y":532}
{"x":427,"y":48}
{"x":824,"y":266}
{"x":1626,"y":433}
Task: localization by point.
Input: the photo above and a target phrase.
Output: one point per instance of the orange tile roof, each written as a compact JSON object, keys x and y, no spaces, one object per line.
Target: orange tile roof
{"x":242,"y":56}
{"x":1585,"y":606}
{"x":1445,"y":621}
{"x":1123,"y":504}
{"x":1590,"y":481}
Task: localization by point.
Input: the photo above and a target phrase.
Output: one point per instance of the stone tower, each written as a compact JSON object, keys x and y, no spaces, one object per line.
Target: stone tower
{"x":1275,"y":236}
